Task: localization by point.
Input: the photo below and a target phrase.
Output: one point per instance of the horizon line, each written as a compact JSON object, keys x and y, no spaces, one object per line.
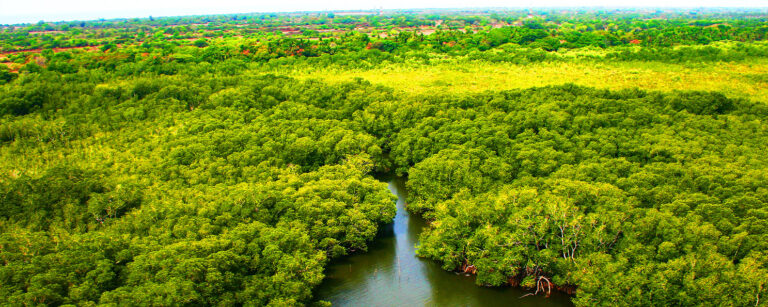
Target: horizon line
{"x":144,"y":15}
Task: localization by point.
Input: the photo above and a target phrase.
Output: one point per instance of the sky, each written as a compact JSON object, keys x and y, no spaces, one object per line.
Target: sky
{"x":29,"y":11}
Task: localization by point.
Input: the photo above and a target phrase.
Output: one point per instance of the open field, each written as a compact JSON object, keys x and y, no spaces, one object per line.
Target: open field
{"x":742,"y":80}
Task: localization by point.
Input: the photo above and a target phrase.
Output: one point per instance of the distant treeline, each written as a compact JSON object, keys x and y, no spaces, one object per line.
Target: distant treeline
{"x":460,"y":31}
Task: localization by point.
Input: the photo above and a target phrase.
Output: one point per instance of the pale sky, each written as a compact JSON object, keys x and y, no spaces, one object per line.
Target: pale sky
{"x":19,"y":11}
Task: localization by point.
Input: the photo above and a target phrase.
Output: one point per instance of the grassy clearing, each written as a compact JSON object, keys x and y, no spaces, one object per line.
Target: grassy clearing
{"x":735,"y":79}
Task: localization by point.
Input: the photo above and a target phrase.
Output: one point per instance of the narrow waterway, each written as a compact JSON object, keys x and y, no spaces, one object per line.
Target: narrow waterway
{"x":390,"y":274}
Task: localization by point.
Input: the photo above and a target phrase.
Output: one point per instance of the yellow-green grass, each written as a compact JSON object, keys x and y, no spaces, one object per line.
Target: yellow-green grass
{"x":735,"y":79}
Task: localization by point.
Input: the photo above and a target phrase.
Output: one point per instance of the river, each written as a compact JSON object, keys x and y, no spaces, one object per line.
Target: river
{"x":390,"y":274}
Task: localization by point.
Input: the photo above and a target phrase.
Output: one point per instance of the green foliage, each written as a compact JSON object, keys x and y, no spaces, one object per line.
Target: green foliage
{"x":6,"y":75}
{"x":620,"y":194}
{"x":243,"y":203}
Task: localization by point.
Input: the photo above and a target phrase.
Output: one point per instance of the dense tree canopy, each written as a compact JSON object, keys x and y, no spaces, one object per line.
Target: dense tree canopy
{"x":241,"y":199}
{"x":596,"y":189}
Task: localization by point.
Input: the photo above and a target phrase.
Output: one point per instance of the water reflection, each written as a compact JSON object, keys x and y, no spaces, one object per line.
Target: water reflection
{"x":390,"y":274}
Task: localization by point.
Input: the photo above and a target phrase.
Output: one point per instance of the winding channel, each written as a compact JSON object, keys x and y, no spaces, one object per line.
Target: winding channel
{"x":390,"y":273}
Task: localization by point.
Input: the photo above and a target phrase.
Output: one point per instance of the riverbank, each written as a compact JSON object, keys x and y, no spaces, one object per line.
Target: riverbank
{"x":390,"y":273}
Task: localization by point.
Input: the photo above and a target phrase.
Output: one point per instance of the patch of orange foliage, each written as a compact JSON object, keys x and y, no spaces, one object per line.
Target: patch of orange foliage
{"x":11,"y":66}
{"x":59,"y":49}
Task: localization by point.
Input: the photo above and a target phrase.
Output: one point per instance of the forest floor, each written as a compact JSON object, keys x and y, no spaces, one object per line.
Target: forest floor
{"x":735,"y":79}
